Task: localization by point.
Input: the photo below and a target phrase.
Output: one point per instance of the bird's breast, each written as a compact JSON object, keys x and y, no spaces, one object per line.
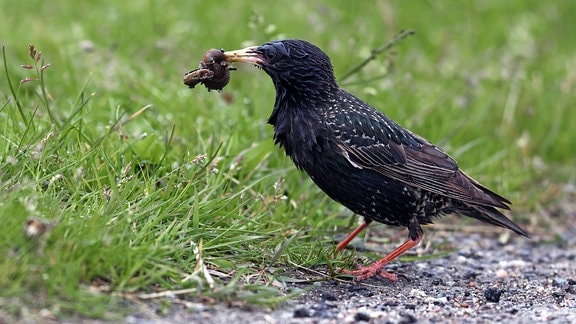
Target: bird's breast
{"x":302,"y":136}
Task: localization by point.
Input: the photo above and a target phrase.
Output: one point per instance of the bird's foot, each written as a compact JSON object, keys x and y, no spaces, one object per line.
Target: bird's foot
{"x":364,"y":273}
{"x":377,"y":267}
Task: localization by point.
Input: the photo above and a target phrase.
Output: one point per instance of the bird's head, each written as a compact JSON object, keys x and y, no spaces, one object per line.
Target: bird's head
{"x":295,"y":66}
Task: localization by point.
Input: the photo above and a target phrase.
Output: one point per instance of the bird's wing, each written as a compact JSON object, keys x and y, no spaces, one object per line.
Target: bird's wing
{"x":424,"y":166}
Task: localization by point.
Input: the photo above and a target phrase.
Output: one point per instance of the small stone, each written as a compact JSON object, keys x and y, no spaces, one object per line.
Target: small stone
{"x":461,"y":259}
{"x":301,"y":312}
{"x":428,"y":273}
{"x":407,"y":319}
{"x":417,"y":293}
{"x":321,"y":310}
{"x":441,"y":301}
{"x":492,"y":294}
{"x":558,"y":282}
{"x":500,"y":273}
{"x":470,"y":275}
{"x":330,"y":297}
{"x":389,"y":303}
{"x":410,"y":306}
{"x":360,"y":291}
{"x":558,"y":296}
{"x":513,"y":264}
{"x":362,"y":317}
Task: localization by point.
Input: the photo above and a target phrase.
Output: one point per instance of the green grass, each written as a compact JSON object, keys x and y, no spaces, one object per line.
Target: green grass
{"x":144,"y":182}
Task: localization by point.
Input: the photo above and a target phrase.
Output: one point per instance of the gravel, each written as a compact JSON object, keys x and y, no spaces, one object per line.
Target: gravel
{"x":484,"y":280}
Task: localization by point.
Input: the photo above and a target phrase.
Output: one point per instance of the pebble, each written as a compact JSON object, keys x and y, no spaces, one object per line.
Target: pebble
{"x":559,"y":282}
{"x":492,"y":294}
{"x":410,"y":306}
{"x":470,"y":274}
{"x":444,"y":290}
{"x":330,"y":297}
{"x":362,"y":317}
{"x":301,"y":313}
{"x":513,"y":264}
{"x":441,"y":301}
{"x":407,"y":319}
{"x":417,"y":293}
{"x":500,"y":273}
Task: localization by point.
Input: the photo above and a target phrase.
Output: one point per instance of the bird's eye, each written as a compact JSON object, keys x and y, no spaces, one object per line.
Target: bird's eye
{"x":270,"y":56}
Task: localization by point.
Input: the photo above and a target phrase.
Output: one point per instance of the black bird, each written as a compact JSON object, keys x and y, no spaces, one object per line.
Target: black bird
{"x":360,"y":157}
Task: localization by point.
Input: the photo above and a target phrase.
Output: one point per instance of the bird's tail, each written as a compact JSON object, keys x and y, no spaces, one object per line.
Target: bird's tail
{"x":489,"y":215}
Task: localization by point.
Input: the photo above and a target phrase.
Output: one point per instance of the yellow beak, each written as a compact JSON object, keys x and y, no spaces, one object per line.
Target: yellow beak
{"x":245,"y":55}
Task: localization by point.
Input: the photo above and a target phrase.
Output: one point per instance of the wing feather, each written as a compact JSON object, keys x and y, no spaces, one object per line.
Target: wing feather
{"x":368,"y":139}
{"x":426,"y":167}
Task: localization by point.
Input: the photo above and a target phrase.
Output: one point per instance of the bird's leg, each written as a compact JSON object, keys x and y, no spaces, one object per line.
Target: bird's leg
{"x":342,"y":245}
{"x":414,"y":237}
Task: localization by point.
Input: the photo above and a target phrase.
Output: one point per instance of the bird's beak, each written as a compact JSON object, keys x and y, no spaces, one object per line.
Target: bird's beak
{"x":245,"y":55}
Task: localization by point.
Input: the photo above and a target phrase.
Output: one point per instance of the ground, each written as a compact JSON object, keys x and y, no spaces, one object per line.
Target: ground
{"x":484,"y":277}
{"x":522,"y":280}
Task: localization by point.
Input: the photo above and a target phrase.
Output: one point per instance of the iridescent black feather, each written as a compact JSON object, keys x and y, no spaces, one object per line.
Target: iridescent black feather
{"x":359,"y":156}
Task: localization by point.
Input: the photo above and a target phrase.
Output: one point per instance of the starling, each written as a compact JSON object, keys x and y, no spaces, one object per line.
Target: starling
{"x":360,"y":157}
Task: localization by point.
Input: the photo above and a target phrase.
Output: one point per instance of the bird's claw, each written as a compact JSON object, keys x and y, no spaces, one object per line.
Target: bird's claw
{"x":368,"y":272}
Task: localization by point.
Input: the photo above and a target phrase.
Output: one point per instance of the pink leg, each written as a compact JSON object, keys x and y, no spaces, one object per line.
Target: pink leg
{"x":342,"y":245}
{"x":376,"y":267}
